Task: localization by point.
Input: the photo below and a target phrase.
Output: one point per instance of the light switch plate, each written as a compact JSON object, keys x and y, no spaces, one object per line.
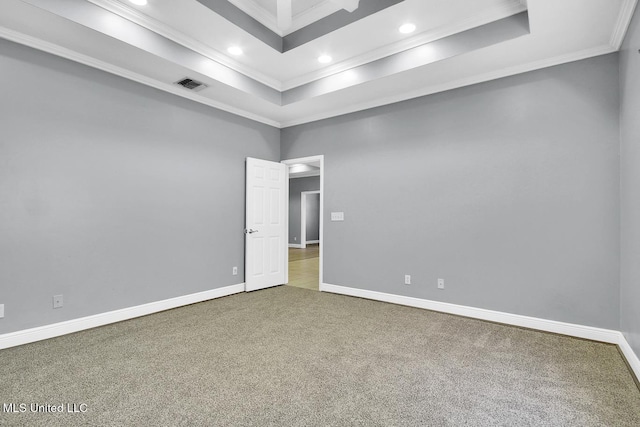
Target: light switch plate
{"x":337,"y":216}
{"x":1,"y":311}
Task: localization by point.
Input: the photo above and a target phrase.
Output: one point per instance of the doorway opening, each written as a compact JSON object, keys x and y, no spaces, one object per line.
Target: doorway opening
{"x":305,"y":222}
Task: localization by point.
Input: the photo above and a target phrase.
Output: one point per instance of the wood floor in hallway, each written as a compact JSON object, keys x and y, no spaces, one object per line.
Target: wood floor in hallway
{"x":304,"y":267}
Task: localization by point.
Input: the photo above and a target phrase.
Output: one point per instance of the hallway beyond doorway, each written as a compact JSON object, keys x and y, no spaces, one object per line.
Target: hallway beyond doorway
{"x":304,"y":267}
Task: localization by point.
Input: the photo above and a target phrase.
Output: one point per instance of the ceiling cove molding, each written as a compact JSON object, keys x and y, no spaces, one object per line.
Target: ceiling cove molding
{"x":101,"y":65}
{"x":461,"y":43}
{"x":506,"y":9}
{"x":117,"y":27}
{"x":190,"y":43}
{"x":348,"y":5}
{"x":334,"y":22}
{"x":622,"y":25}
{"x":312,"y":15}
{"x":309,"y":33}
{"x":57,"y":50}
{"x":258,"y":13}
{"x":430,"y":90}
{"x":300,"y":20}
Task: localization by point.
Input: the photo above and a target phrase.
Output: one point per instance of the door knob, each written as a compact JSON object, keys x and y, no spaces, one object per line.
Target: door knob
{"x":249,"y":231}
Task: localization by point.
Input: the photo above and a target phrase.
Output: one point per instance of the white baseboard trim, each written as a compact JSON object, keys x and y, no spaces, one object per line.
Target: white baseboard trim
{"x":312,"y":242}
{"x":295,"y":245}
{"x":39,"y":333}
{"x":580,"y":331}
{"x":630,"y":355}
{"x":570,"y":329}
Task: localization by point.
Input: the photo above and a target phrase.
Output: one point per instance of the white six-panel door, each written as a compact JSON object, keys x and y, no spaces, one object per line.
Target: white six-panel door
{"x":266,"y":233}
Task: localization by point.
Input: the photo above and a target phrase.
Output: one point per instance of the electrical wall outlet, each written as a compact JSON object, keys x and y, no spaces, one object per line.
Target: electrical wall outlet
{"x":57,"y":301}
{"x":1,"y":311}
{"x":440,"y":283}
{"x":295,"y":239}
{"x":407,"y":279}
{"x":235,"y":271}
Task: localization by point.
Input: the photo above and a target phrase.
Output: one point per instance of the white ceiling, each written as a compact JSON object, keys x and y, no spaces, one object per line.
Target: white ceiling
{"x":100,"y":33}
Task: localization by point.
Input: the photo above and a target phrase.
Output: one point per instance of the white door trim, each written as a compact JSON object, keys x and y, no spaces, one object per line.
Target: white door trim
{"x":303,"y":217}
{"x":286,"y":226}
{"x":303,"y":160}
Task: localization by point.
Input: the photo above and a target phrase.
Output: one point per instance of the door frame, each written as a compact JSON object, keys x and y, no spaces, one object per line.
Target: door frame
{"x":307,"y":160}
{"x":303,"y":217}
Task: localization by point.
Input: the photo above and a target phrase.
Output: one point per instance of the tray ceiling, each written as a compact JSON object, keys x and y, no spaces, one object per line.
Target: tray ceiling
{"x":371,"y":63}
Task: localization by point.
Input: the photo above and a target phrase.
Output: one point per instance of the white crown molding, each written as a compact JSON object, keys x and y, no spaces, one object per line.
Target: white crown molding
{"x":309,"y":16}
{"x":622,"y":24}
{"x":109,"y":68}
{"x":429,"y":90}
{"x":101,"y":65}
{"x":40,"y":333}
{"x":259,"y":13}
{"x":505,"y":9}
{"x":299,"y":20}
{"x":167,"y":87}
{"x":190,"y":43}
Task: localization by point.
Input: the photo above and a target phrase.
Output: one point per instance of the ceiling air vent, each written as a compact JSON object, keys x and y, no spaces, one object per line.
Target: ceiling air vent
{"x":191,"y":84}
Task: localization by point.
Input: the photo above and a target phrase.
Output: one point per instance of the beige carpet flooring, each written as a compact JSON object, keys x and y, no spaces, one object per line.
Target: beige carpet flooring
{"x":292,"y":357}
{"x":304,"y":267}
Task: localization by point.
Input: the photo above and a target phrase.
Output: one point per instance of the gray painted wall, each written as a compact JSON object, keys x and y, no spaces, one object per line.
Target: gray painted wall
{"x":630,"y":185}
{"x":115,"y":194}
{"x":312,"y":229}
{"x":509,"y":190}
{"x":112,"y":193}
{"x":297,"y":186}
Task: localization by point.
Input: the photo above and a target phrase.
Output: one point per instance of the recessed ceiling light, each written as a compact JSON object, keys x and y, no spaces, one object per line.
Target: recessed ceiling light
{"x":407,"y":28}
{"x":324,"y":59}
{"x":139,"y":2}
{"x":235,"y":50}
